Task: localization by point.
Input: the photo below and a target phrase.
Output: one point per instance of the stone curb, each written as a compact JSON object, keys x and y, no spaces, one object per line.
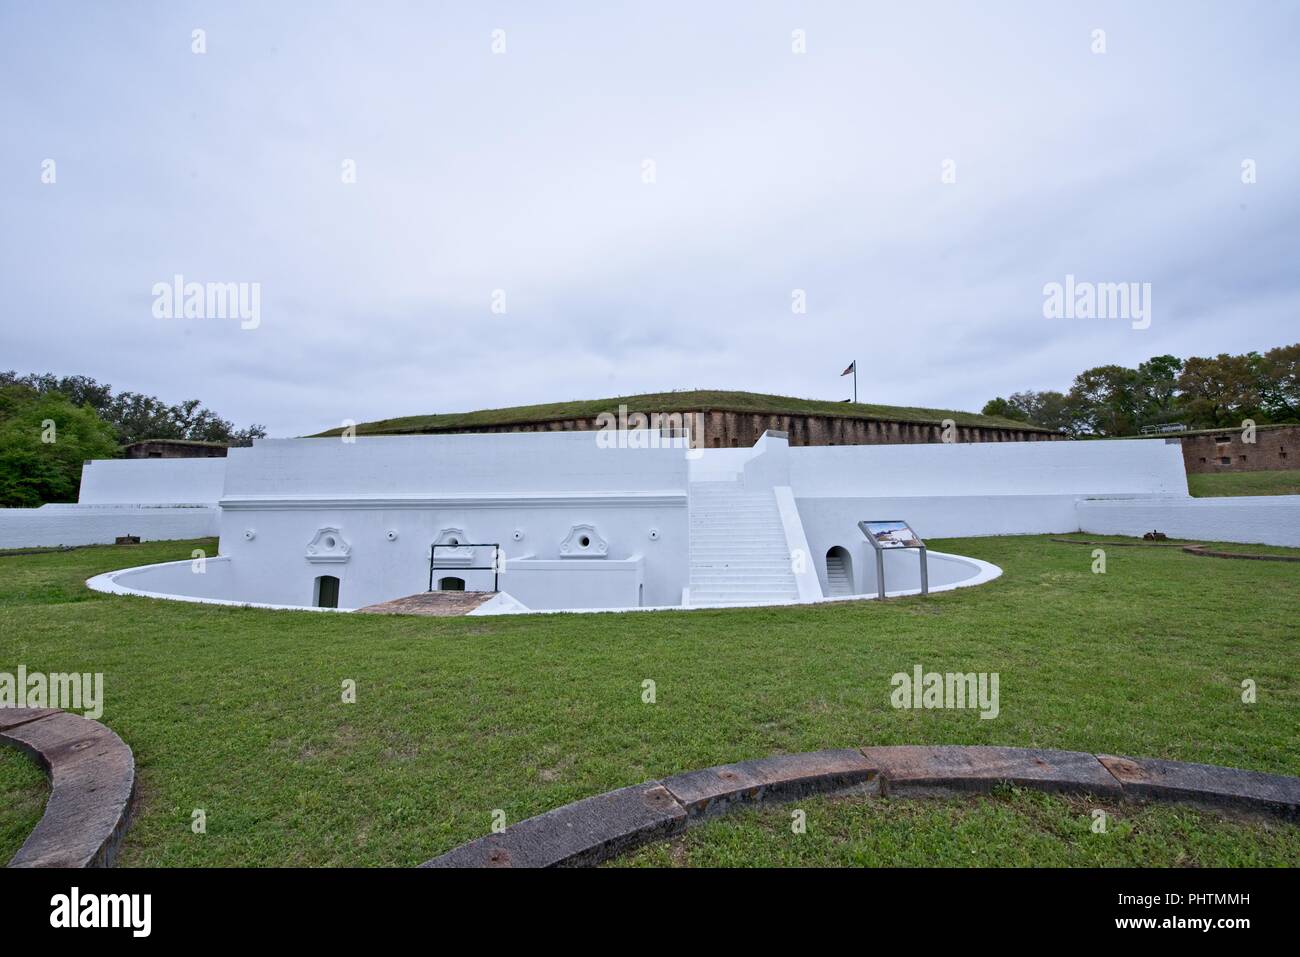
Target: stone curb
{"x":1206,"y":552}
{"x":582,"y":833}
{"x":779,"y":778}
{"x":1206,"y":784}
{"x":953,"y":769}
{"x":598,"y":828}
{"x":92,"y":787}
{"x":1203,"y":550}
{"x":1080,"y":541}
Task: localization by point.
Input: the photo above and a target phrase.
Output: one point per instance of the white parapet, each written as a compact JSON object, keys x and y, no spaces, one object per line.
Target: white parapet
{"x":152,"y":481}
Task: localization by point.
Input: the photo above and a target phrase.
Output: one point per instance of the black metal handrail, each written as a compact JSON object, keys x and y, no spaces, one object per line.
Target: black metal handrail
{"x":495,"y":567}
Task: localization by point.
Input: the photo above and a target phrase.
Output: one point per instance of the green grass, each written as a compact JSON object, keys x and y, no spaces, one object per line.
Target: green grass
{"x":23,"y":790}
{"x":238,"y":711}
{"x":1011,"y":828}
{"x":687,"y":401}
{"x":1211,"y":484}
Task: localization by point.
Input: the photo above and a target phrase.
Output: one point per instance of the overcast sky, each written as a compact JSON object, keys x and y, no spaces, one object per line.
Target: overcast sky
{"x":524,"y":171}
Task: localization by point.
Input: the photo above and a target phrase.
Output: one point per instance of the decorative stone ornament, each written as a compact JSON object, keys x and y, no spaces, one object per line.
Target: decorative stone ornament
{"x":391,"y":535}
{"x":518,"y":535}
{"x":654,"y":534}
{"x":452,"y":556}
{"x":249,"y":534}
{"x":327,"y":545}
{"x":583,"y":541}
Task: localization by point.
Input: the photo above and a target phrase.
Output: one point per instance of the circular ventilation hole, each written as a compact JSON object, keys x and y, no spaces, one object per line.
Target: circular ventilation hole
{"x":330,"y":541}
{"x":584,"y":541}
{"x":453,"y":541}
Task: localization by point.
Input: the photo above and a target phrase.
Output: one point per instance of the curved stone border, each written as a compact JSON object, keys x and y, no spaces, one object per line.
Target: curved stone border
{"x":1207,"y":552}
{"x":1079,"y":541}
{"x":92,"y":787}
{"x":597,"y":828}
{"x":1203,"y":550}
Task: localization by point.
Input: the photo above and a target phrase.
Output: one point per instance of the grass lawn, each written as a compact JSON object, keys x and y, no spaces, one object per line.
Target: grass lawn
{"x":692,"y":400}
{"x":1012,"y":828}
{"x":238,"y":711}
{"x":1210,"y":484}
{"x":23,"y":791}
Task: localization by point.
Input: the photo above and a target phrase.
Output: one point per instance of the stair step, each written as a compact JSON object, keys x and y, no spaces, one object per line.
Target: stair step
{"x":727,"y":588}
{"x":739,"y":546}
{"x":739,"y":574}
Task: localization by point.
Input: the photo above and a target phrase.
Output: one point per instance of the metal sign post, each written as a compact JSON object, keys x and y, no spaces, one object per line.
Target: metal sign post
{"x":888,"y":534}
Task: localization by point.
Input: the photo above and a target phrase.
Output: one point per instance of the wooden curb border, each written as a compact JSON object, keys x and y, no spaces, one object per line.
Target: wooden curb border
{"x":597,"y":828}
{"x":92,"y":787}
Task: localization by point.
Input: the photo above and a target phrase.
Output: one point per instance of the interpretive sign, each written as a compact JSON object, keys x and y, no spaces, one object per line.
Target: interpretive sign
{"x":887,"y":534}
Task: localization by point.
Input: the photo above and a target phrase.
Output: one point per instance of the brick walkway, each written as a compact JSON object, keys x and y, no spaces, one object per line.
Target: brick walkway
{"x":439,"y":604}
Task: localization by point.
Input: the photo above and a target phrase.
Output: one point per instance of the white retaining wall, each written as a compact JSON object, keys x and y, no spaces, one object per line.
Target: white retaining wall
{"x":989,"y":469}
{"x":1265,"y":519}
{"x":53,"y":525}
{"x":390,"y":497}
{"x":964,"y":490}
{"x":121,"y":497}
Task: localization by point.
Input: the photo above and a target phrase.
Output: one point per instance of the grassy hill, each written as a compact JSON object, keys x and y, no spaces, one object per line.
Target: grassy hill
{"x":676,"y":402}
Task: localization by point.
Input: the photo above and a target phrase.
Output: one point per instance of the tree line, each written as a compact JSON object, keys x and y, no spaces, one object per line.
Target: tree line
{"x":50,"y":425}
{"x":1200,"y":393}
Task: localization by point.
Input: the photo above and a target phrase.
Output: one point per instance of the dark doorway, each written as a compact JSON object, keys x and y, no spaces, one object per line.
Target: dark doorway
{"x":327,"y":592}
{"x":451,"y":584}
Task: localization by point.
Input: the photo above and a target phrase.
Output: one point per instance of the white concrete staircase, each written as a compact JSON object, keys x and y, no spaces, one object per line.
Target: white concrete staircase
{"x":738,"y":547}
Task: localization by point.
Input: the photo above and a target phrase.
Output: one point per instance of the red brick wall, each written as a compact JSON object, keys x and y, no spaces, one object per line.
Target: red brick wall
{"x":1275,"y":447}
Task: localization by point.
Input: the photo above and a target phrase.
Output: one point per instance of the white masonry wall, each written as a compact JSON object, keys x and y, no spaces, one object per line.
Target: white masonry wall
{"x":155,"y":499}
{"x":54,"y":525}
{"x":967,"y":489}
{"x":152,"y":481}
{"x":1264,"y":519}
{"x":390,"y":497}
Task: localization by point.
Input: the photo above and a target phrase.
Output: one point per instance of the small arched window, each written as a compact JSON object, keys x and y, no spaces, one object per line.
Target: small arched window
{"x":451,"y":584}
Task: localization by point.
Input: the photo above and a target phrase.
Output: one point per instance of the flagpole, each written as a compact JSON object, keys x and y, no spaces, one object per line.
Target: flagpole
{"x":855,"y":381}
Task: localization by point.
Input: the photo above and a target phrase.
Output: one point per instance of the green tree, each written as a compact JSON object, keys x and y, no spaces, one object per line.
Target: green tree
{"x":44,"y":439}
{"x":1157,"y":390}
{"x":1219,"y":391}
{"x":1105,"y":400}
{"x":1280,"y":383}
{"x":1001,"y":407}
{"x":136,"y":416}
{"x":1051,"y":410}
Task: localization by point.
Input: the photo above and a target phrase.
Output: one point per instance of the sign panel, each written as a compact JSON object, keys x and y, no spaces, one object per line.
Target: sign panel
{"x":892,"y":534}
